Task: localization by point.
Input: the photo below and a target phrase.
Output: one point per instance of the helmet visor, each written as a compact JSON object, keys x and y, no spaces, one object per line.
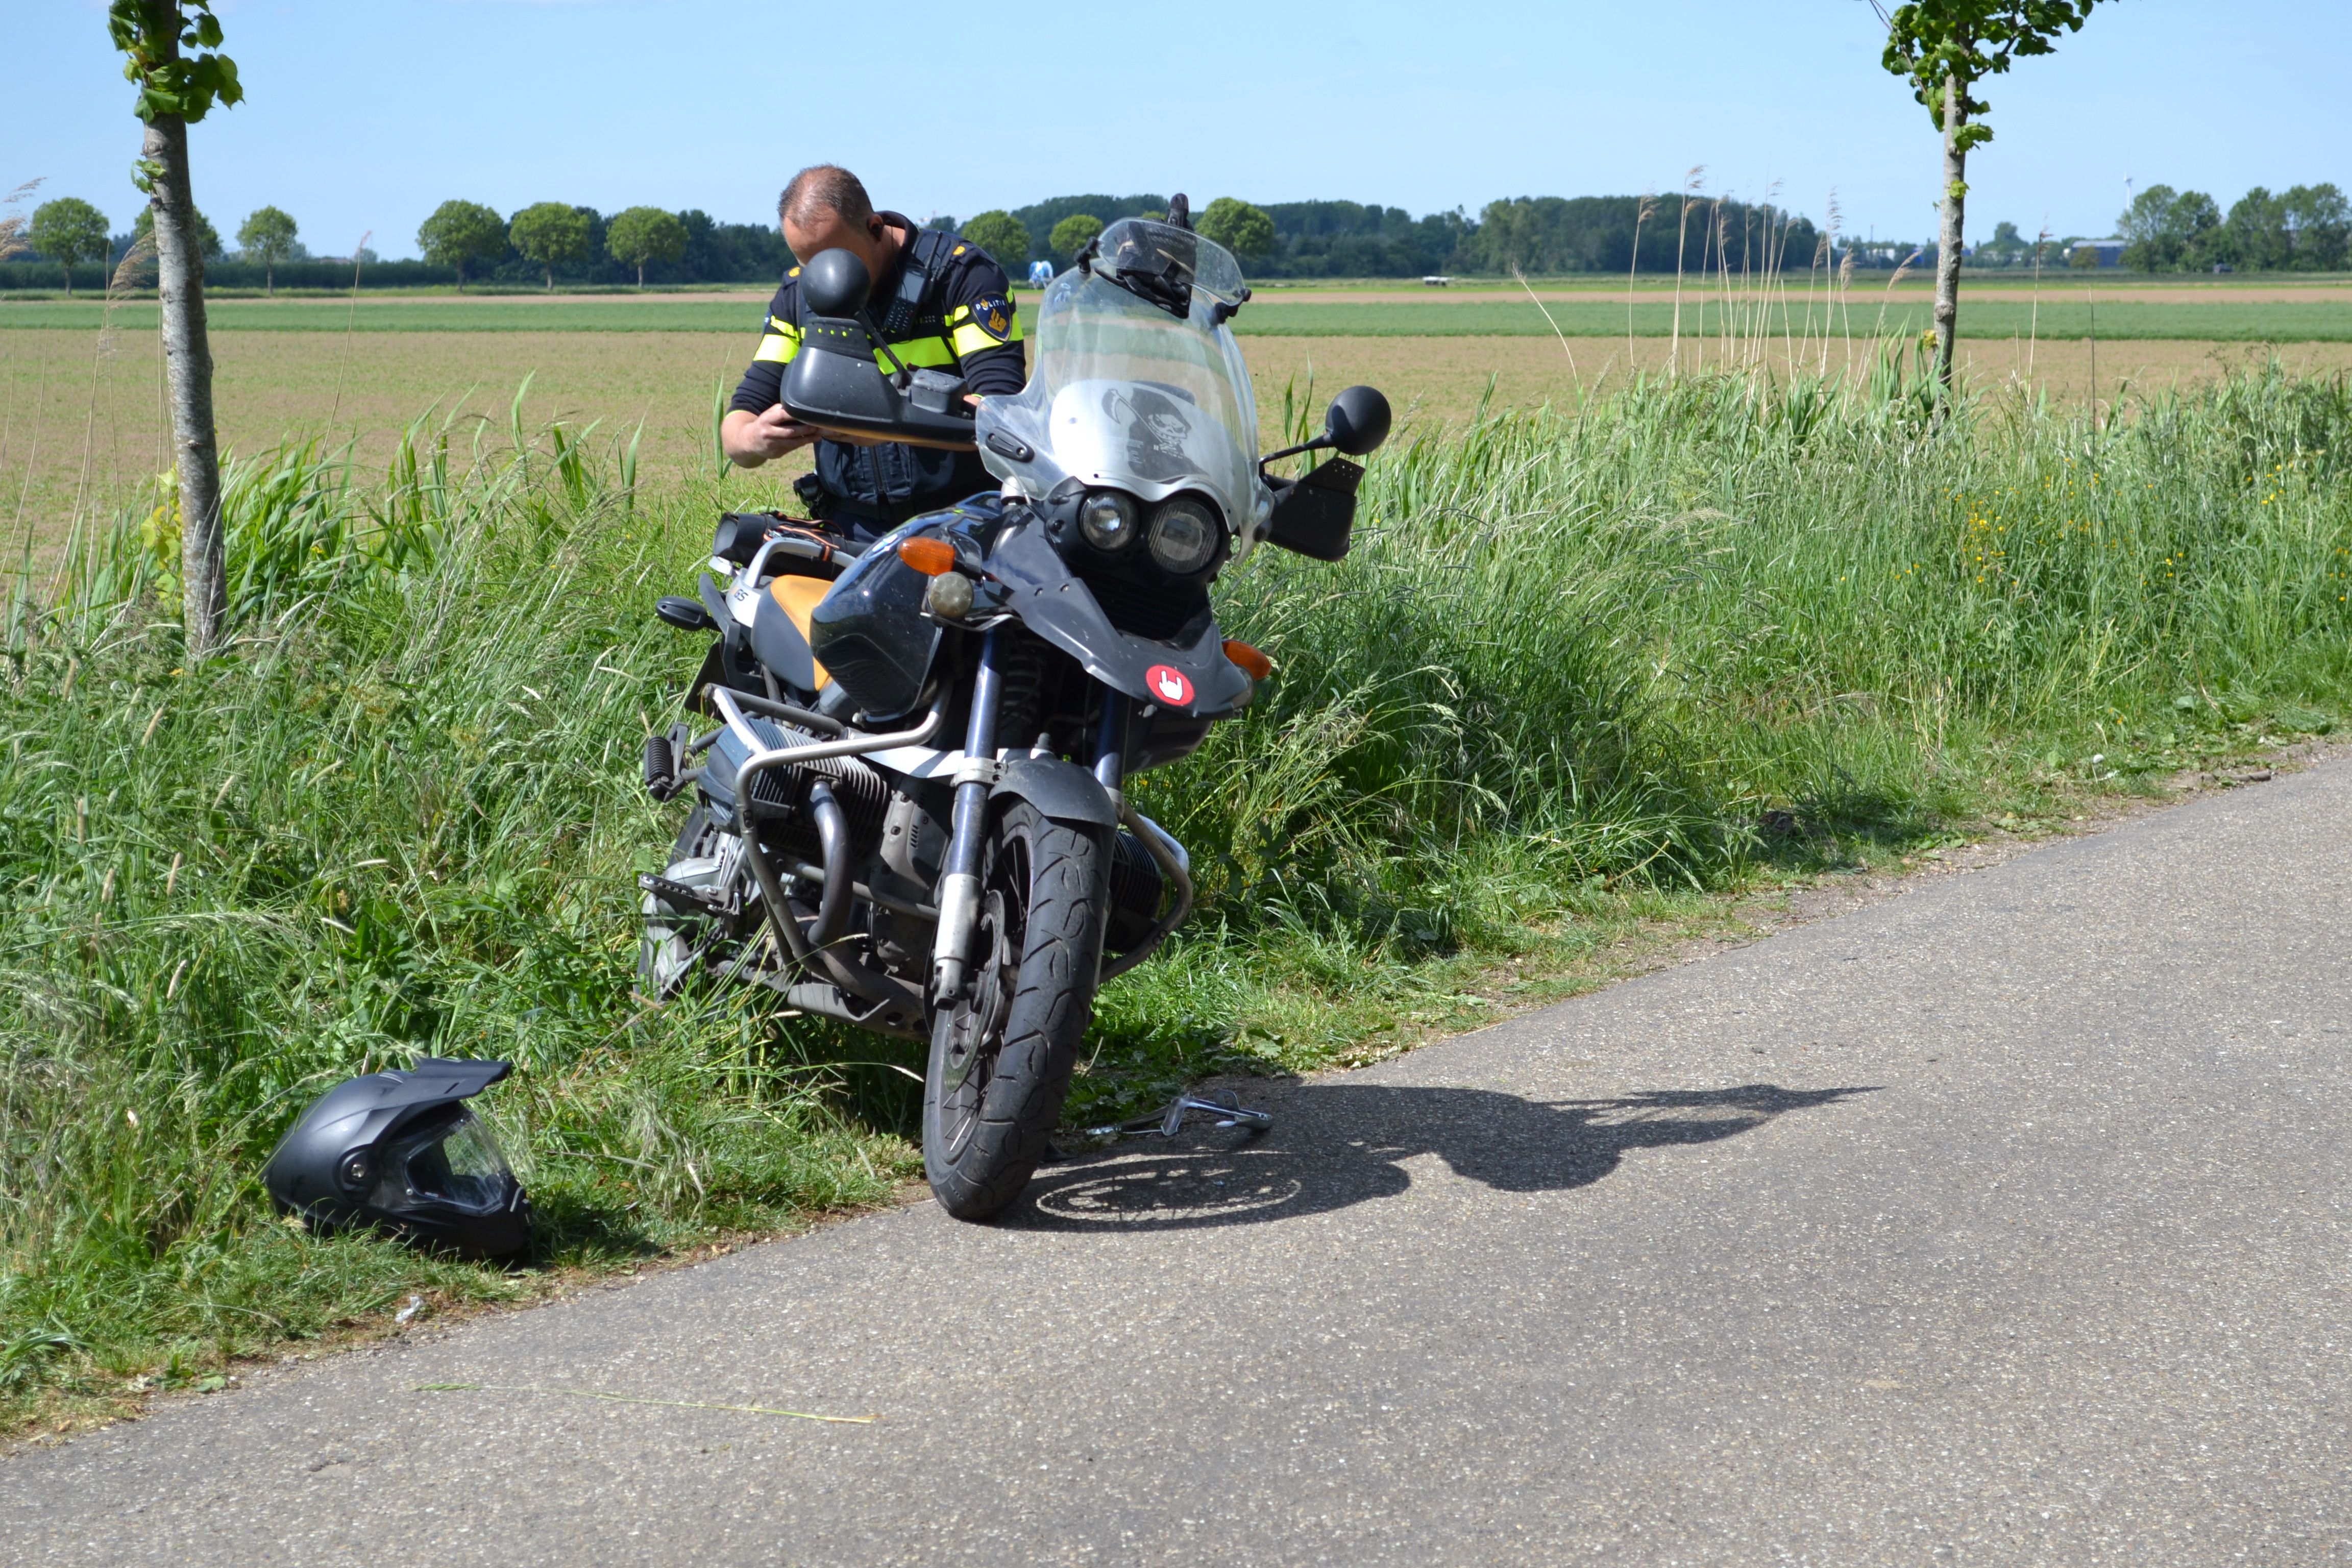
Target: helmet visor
{"x":451,"y":1163}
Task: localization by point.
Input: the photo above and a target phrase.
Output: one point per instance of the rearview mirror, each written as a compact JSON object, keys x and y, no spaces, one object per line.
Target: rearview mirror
{"x":836,"y":283}
{"x":1357,"y":421}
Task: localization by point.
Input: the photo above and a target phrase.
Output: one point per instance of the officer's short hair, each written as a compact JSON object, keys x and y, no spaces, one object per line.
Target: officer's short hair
{"x":824,"y":187}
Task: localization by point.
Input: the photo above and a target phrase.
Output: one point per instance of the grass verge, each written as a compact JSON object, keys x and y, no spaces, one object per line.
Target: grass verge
{"x":1583,"y":678}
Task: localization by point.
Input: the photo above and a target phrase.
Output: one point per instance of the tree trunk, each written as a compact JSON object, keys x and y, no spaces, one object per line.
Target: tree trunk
{"x":187,"y":351}
{"x":641,"y":276}
{"x":550,"y":278}
{"x":1948,"y":243}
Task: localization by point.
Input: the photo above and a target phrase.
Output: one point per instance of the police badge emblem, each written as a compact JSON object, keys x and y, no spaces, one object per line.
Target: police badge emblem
{"x":992,"y":314}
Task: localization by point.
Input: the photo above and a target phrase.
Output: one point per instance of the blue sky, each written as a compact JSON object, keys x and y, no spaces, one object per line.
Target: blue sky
{"x":362,"y":115}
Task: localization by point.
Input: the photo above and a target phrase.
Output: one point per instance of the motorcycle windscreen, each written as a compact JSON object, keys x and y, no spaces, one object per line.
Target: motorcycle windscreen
{"x":1150,"y":438}
{"x":1130,"y":395}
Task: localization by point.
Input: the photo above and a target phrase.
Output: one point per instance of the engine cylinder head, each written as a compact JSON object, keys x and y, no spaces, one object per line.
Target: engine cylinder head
{"x":1135,"y":888}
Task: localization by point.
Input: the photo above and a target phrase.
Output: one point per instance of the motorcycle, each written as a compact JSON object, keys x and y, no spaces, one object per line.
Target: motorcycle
{"x":911,"y":814}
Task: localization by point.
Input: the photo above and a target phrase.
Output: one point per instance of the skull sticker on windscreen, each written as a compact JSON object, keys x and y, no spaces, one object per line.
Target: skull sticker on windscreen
{"x":1156,"y":429}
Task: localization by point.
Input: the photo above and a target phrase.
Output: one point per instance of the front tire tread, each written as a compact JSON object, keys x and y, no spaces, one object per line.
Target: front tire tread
{"x":1053,"y":1003}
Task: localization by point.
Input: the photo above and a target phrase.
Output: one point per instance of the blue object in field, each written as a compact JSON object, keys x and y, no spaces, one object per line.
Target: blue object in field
{"x":1041,"y":273}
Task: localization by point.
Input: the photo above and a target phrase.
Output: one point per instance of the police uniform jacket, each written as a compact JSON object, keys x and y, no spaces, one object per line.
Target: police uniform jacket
{"x":963,"y":322}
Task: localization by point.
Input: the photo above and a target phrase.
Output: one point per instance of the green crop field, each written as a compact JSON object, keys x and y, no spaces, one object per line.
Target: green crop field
{"x":2061,"y":313}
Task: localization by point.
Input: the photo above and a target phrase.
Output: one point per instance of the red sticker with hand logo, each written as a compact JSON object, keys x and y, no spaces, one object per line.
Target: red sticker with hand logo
{"x":1168,"y":686}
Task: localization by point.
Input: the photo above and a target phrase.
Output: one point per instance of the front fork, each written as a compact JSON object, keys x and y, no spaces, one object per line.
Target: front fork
{"x":960,"y":887}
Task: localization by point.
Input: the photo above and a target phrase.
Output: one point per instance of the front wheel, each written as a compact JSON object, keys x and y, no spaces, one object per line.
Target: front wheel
{"x":1002,"y":1057}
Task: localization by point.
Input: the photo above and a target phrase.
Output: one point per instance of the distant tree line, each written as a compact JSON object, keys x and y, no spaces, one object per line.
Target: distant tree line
{"x":556,"y":245}
{"x":2303,"y":229}
{"x":1357,"y":239}
{"x":1279,"y":239}
{"x":1353,"y":240}
{"x":1639,"y":233}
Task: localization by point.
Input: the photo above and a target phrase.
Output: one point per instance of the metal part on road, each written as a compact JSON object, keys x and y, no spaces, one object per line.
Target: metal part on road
{"x":1222,"y":1106}
{"x":2001,"y":1223}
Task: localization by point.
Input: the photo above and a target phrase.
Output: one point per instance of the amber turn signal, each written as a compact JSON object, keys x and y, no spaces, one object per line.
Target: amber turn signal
{"x":1254,"y":664}
{"x":929,"y":556}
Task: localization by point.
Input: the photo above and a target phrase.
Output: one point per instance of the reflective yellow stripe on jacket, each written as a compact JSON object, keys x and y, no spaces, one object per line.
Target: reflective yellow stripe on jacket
{"x":920,"y":353}
{"x":968,"y":337}
{"x":780,"y":343}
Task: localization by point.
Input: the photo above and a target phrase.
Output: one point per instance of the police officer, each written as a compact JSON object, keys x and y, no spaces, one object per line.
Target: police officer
{"x":939,"y":302}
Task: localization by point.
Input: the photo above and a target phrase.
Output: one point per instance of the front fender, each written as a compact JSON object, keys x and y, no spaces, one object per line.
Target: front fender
{"x":1063,"y":791}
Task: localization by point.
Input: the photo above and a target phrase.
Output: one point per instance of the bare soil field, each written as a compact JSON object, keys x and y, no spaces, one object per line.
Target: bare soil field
{"x":79,"y":422}
{"x":1444,"y":378}
{"x":80,"y":428}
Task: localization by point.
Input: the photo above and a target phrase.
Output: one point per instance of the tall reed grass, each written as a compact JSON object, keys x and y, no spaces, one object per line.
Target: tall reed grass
{"x":1703,"y":628}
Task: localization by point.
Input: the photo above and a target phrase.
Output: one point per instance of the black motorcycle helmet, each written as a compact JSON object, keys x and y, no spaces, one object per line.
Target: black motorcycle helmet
{"x":401,"y":1150}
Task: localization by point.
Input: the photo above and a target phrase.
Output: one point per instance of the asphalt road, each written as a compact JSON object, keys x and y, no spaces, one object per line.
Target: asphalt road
{"x":2001,"y":1223}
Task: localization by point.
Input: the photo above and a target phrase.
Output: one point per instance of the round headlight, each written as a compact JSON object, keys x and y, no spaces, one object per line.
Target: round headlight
{"x":1107,"y":519}
{"x":1183,"y":537}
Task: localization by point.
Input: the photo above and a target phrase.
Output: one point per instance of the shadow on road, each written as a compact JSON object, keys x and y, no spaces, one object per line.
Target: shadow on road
{"x":1337,"y":1144}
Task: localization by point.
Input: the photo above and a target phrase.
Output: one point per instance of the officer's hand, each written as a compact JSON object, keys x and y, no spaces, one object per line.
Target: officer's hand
{"x":750,"y":439}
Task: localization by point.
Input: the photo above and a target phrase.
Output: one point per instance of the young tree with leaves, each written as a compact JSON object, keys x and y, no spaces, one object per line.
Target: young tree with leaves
{"x":1074,"y":232}
{"x":1002,"y":235}
{"x":642,"y":234}
{"x":2165,"y":230}
{"x":459,"y":232}
{"x":267,"y":235}
{"x":69,"y":230}
{"x":551,"y":234}
{"x":2320,"y":222}
{"x":2258,"y":233}
{"x":1238,"y":226}
{"x":1943,"y":48}
{"x":171,"y":50}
